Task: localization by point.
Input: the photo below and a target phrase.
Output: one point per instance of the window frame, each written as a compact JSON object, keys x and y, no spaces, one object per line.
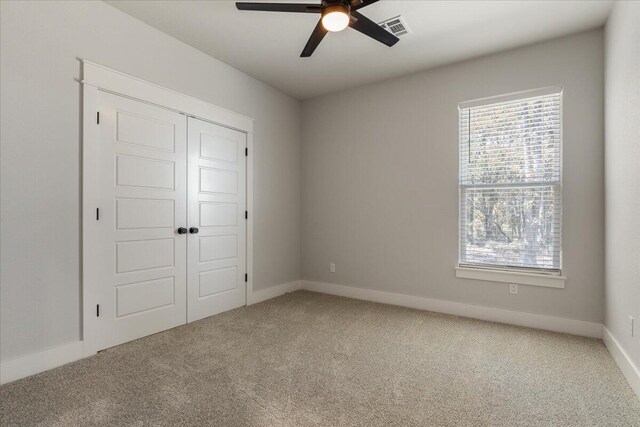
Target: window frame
{"x":513,"y":274}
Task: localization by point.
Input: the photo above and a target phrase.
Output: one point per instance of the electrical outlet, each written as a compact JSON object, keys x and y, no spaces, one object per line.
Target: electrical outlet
{"x":332,"y":267}
{"x":513,"y":288}
{"x":632,"y":322}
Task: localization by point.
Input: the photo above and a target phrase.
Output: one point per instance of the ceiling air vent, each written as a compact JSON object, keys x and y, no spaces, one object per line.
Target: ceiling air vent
{"x":396,"y":26}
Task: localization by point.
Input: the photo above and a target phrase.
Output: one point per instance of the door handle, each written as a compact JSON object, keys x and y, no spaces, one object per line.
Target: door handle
{"x":193,"y":230}
{"x":182,"y":230}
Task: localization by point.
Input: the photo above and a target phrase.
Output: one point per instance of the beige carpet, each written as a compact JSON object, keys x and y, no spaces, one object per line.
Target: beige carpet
{"x":312,"y":359}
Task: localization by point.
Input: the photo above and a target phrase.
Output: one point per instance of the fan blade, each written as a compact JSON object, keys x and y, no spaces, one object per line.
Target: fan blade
{"x":315,"y":39}
{"x":280,"y":7}
{"x":368,"y":27}
{"x":362,"y":3}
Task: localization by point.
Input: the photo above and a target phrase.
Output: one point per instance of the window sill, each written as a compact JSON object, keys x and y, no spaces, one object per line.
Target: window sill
{"x":532,"y":279}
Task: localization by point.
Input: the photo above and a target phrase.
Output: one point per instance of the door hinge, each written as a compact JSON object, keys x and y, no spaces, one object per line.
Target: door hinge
{"x":246,"y":277}
{"x":246,"y":151}
{"x":246,"y":214}
{"x":97,"y":214}
{"x":98,"y":117}
{"x":97,"y":310}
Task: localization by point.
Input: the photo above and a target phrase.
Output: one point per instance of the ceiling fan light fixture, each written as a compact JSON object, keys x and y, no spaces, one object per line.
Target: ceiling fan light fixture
{"x":335,"y":18}
{"x":335,"y":15}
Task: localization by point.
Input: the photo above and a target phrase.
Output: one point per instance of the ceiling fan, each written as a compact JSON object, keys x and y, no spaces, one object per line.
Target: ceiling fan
{"x":336,"y":15}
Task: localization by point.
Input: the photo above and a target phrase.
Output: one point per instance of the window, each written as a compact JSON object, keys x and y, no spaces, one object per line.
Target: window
{"x":510,"y":182}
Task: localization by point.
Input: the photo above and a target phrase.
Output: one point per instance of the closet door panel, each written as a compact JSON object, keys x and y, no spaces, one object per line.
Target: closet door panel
{"x":142,"y":171}
{"x":216,"y":207}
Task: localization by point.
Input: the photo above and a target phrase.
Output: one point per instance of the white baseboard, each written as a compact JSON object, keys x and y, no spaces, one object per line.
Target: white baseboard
{"x":630,"y":371}
{"x":12,"y":370}
{"x":272,"y":292}
{"x":31,"y":364}
{"x":538,"y":321}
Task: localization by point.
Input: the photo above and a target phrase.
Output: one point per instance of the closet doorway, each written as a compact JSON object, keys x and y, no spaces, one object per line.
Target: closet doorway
{"x":165,"y":214}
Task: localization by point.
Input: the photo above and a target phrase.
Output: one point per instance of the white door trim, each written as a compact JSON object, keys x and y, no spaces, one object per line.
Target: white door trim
{"x":96,"y":78}
{"x":122,"y":84}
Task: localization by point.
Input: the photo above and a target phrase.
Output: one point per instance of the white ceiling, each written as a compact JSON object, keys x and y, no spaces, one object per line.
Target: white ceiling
{"x":267,"y":45}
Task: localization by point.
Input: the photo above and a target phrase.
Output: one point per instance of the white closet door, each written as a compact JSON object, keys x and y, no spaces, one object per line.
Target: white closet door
{"x":217,"y":235}
{"x":140,"y":255}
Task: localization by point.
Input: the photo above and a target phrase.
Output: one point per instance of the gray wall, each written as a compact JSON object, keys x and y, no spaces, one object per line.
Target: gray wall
{"x":622,"y":154}
{"x":380,"y":173}
{"x":41,"y":167}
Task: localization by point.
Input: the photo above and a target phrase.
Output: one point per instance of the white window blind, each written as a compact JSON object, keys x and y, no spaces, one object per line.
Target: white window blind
{"x":510,"y":183}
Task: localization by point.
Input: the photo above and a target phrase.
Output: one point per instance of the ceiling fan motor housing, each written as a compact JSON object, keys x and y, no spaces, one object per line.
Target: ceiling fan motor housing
{"x":329,"y":6}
